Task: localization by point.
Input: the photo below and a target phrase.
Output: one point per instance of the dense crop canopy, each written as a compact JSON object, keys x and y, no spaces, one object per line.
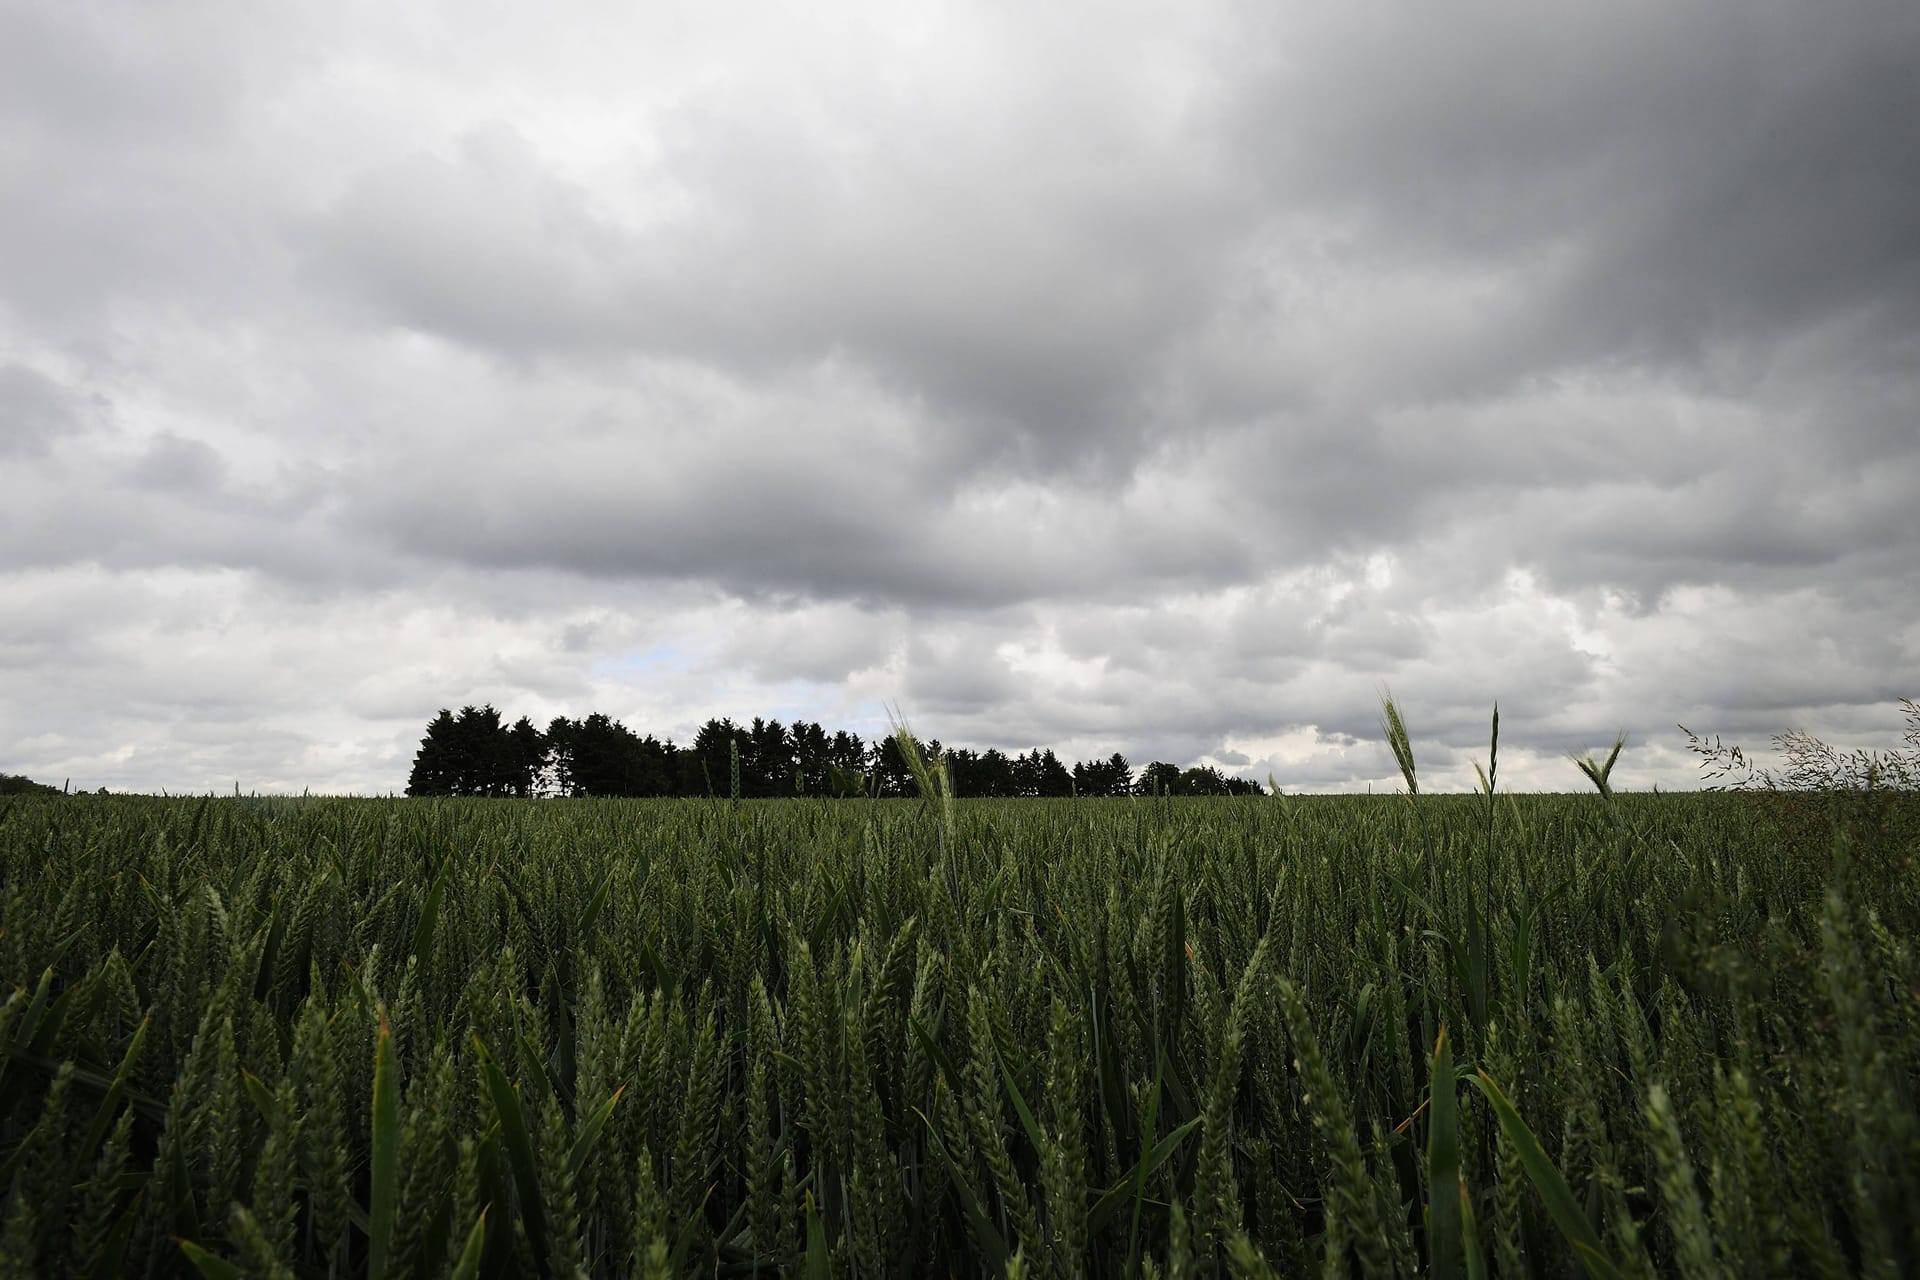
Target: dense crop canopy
{"x":1651,"y":1034}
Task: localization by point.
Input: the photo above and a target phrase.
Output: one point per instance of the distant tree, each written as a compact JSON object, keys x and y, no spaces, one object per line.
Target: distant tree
{"x":484,"y":754}
{"x":890,"y":775}
{"x":1158,"y":779}
{"x":13,"y":784}
{"x":1109,"y":777}
{"x":557,"y":776}
{"x":766,"y":760}
{"x":472,"y":753}
{"x":657,"y":768}
{"x":1026,"y":773}
{"x":963,"y":771}
{"x":689,"y":773}
{"x":526,"y":755}
{"x":992,"y":776}
{"x":713,"y":747}
{"x":847,"y":751}
{"x":1201,"y":780}
{"x":605,"y":758}
{"x":812,"y":757}
{"x":1054,"y":779}
{"x":433,"y":764}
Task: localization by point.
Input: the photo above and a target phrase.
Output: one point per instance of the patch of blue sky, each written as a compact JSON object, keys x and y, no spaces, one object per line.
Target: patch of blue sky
{"x":665,"y":657}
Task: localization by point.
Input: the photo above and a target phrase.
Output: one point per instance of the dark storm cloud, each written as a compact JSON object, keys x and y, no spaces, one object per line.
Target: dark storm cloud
{"x":1661,"y":178}
{"x":1451,"y":215}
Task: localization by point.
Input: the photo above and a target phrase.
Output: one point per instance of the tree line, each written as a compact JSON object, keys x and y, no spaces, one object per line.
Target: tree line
{"x":476,"y":753}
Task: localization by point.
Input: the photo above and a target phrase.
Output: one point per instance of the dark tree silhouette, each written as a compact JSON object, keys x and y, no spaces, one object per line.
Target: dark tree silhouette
{"x":433,"y":770}
{"x":766,"y":760}
{"x":1110,"y":777}
{"x":713,"y":748}
{"x":472,"y":753}
{"x":1158,"y":779}
{"x":527,"y":756}
{"x":890,"y":774}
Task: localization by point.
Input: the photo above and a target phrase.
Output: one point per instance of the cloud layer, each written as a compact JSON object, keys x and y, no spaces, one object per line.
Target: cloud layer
{"x":1095,"y":378}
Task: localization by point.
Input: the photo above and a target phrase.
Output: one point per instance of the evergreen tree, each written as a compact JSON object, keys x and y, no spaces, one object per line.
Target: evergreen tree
{"x":993,"y":776}
{"x":606,"y":758}
{"x":890,"y":773}
{"x":766,"y":760}
{"x":527,"y":753}
{"x":713,"y":747}
{"x":847,"y":752}
{"x":558,"y":774}
{"x":812,"y":756}
{"x":1109,"y":777}
{"x":1053,"y":779}
{"x":433,"y":773}
{"x":1158,"y":779}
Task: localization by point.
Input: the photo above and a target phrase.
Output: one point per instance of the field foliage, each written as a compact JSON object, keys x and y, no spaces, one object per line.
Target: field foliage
{"x":1481,"y":1036}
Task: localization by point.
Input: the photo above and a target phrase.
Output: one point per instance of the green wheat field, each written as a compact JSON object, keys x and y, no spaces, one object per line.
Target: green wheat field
{"x":1618,"y":1035}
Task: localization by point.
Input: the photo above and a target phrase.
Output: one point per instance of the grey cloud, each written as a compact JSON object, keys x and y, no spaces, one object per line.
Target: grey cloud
{"x":175,"y":464}
{"x":34,"y":411}
{"x":1164,"y":386}
{"x":1660,"y":178}
{"x":823,"y":644}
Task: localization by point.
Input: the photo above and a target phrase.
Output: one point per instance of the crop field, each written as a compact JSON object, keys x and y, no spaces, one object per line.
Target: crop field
{"x":1636,"y":1034}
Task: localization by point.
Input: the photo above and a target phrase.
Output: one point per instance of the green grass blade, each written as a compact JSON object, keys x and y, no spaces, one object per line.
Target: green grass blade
{"x":1120,"y":1192}
{"x":519,"y":1145}
{"x":109,"y":1105}
{"x":590,"y":1132}
{"x":1444,"y":1247}
{"x":818,"y":1265}
{"x":468,"y":1267}
{"x":209,"y":1266}
{"x":1020,"y":1108}
{"x":1141,"y":1171}
{"x":591,"y":912}
{"x":992,"y":1244}
{"x":383,"y":1165}
{"x":1553,"y":1189}
{"x":430,"y":913}
{"x":1470,"y":1232}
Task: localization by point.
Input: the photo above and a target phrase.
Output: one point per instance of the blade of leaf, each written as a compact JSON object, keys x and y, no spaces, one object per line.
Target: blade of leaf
{"x":430,"y":913}
{"x":1561,"y":1206}
{"x":1140,"y":1173}
{"x":1443,"y":1165}
{"x":519,"y":1144}
{"x":209,"y":1266}
{"x":1020,"y":1108}
{"x":383,"y":1165}
{"x":992,"y":1243}
{"x":591,"y":912}
{"x":590,"y":1132}
{"x":468,"y":1266}
{"x":1470,"y":1232}
{"x":104,"y":1117}
{"x":818,"y":1267}
{"x":1116,"y":1195}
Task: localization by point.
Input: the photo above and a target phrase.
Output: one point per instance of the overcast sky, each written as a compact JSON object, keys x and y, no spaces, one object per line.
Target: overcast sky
{"x":1168,"y":379}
